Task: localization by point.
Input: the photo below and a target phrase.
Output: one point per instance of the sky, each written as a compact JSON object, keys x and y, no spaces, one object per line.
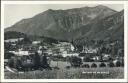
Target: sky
{"x":16,"y":12}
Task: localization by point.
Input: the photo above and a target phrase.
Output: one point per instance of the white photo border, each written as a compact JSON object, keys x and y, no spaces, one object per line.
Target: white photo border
{"x":125,"y":3}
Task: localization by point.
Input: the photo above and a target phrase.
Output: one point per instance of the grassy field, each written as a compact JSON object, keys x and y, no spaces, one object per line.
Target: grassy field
{"x":73,"y":73}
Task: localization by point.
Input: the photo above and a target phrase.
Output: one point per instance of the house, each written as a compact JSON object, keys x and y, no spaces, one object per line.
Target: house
{"x":31,"y":48}
{"x":48,"y":52}
{"x":20,"y":53}
{"x":65,"y":46}
{"x":64,"y":54}
{"x":36,"y":42}
{"x":89,"y":50}
{"x":13,"y":40}
{"x":96,"y":58}
{"x":106,"y":56}
{"x":72,"y":48}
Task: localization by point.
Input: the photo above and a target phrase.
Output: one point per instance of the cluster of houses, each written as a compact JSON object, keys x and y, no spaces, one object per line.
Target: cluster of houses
{"x":64,"y":49}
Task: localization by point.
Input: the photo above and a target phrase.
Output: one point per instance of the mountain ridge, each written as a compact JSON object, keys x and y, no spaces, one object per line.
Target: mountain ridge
{"x":69,"y":24}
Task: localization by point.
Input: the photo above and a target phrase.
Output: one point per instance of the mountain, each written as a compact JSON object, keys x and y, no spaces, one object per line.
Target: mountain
{"x":111,"y":27}
{"x":79,"y":23}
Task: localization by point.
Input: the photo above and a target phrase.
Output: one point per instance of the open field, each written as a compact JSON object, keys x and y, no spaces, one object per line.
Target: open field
{"x":73,"y":73}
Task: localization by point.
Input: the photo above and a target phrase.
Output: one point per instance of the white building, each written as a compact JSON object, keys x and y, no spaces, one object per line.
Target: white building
{"x":64,"y":54}
{"x":20,"y":53}
{"x":72,"y":48}
{"x":89,"y":50}
{"x":106,"y":56}
{"x":36,"y":42}
{"x":13,"y":40}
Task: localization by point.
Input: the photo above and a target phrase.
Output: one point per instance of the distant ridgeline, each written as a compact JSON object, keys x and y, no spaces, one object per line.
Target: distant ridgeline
{"x":18,"y":35}
{"x":13,"y":35}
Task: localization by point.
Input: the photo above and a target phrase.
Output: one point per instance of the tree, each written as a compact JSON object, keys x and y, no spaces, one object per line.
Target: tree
{"x":44,"y":62}
{"x":88,"y":59}
{"x":102,"y":65}
{"x":11,"y":63}
{"x":94,"y":65}
{"x":111,"y":64}
{"x":26,"y":40}
{"x":18,"y":64}
{"x":8,"y":55}
{"x":85,"y":66}
{"x":75,"y":61}
{"x":14,"y":62}
{"x":118,"y":64}
{"x":36,"y":60}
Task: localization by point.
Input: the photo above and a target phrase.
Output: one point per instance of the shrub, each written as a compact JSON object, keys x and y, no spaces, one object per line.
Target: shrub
{"x":94,"y":65}
{"x":27,"y":66}
{"x":111,"y":64}
{"x":11,"y":62}
{"x":88,"y":59}
{"x":75,"y":61}
{"x":85,"y":66}
{"x":56,"y":68}
{"x":118,"y":64}
{"x":122,"y":64}
{"x":44,"y":62}
{"x":14,"y":62}
{"x":67,"y":67}
{"x":8,"y":55}
{"x":102,"y":65}
{"x":36,"y":60}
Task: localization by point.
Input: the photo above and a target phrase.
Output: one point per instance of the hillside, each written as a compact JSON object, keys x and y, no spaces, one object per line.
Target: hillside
{"x":111,"y":27}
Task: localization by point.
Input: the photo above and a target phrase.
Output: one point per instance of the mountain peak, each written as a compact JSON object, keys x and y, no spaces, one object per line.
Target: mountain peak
{"x":50,"y":10}
{"x":104,"y":7}
{"x":101,"y":6}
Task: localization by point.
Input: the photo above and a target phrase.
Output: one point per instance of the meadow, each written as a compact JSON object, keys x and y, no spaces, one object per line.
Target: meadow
{"x":72,"y":73}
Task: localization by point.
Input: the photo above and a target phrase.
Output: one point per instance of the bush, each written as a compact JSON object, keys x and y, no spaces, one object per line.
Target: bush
{"x":118,"y":64}
{"x":36,"y":60}
{"x":8,"y":55}
{"x":56,"y":68}
{"x":14,"y":62}
{"x":111,"y":64}
{"x":75,"y":61}
{"x":44,"y":62}
{"x":67,"y":67}
{"x":85,"y":66}
{"x":94,"y":65}
{"x":11,"y":62}
{"x":88,"y":59}
{"x":26,"y":66}
{"x":122,"y":64}
{"x":102,"y":65}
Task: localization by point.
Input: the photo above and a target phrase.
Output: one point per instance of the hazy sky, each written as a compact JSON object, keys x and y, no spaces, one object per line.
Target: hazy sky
{"x":14,"y":13}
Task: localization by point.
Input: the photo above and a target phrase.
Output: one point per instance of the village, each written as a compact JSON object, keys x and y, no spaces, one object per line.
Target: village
{"x":61,"y":55}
